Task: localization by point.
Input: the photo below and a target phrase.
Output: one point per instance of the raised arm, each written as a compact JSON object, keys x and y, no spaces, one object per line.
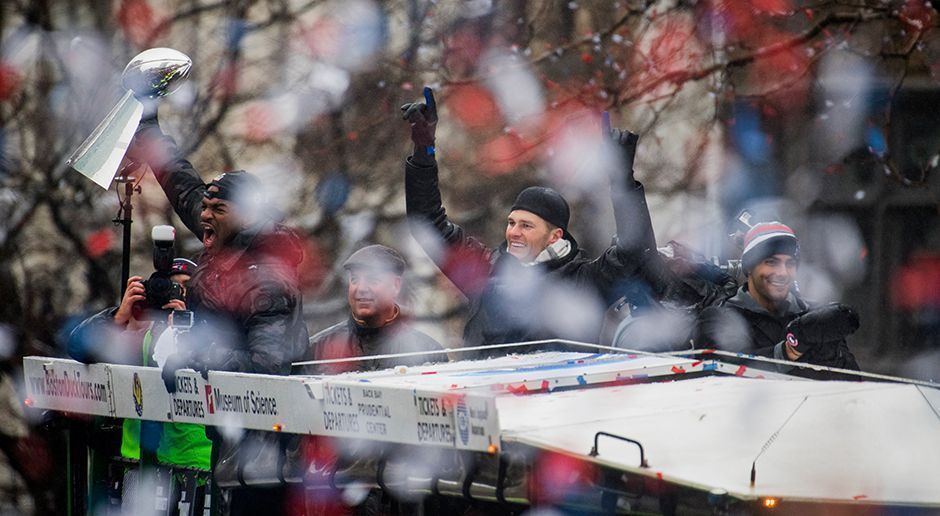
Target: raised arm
{"x":631,"y":214}
{"x":182,"y":184}
{"x":634,"y":243}
{"x":426,"y":215}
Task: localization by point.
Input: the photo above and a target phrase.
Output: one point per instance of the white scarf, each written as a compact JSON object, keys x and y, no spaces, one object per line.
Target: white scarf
{"x":559,"y":249}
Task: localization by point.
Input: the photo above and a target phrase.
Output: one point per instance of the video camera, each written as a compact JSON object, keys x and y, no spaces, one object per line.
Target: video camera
{"x":159,"y":289}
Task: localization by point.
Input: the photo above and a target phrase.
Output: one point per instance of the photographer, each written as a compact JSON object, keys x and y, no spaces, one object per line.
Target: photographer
{"x":128,"y":334}
{"x":124,"y":334}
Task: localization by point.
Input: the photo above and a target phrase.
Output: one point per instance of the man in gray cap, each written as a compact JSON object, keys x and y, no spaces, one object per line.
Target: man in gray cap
{"x":537,"y":284}
{"x":376,"y":325}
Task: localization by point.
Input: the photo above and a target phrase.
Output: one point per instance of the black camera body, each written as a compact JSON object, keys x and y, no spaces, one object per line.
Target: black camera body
{"x":159,"y":289}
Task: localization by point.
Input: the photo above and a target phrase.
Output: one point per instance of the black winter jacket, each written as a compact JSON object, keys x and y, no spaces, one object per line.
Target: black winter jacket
{"x":511,"y":302}
{"x":246,"y":299}
{"x":348,"y":339}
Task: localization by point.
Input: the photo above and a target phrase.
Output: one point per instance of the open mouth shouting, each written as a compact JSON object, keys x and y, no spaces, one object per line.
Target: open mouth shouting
{"x":208,"y":236}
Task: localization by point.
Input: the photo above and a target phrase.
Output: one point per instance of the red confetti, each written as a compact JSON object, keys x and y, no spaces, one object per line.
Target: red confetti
{"x":544,"y":385}
{"x":677,"y":370}
{"x":312,"y":269}
{"x":98,"y":243}
{"x":474,"y":106}
{"x":556,"y":476}
{"x":429,"y":372}
{"x":916,"y":285}
{"x":696,"y":363}
{"x":10,"y":80}
{"x":225,"y":82}
{"x":468,"y":270}
{"x":506,"y":153}
{"x":587,"y":58}
{"x":859,"y":497}
{"x":521,"y":389}
{"x":740,"y":370}
{"x":259,"y":122}
{"x":138,"y":21}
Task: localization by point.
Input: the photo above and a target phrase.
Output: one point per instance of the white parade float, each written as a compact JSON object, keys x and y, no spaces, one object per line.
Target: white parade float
{"x":660,"y":432}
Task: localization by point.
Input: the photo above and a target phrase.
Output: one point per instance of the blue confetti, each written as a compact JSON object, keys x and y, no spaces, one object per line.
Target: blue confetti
{"x":332,"y":192}
{"x":875,"y":139}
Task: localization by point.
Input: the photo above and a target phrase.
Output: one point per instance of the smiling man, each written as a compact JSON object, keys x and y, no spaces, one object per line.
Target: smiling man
{"x":376,"y":325}
{"x":767,"y":316}
{"x":537,"y":284}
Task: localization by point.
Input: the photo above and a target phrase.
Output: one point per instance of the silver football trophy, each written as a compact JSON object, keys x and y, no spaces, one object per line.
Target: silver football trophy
{"x":153,"y":73}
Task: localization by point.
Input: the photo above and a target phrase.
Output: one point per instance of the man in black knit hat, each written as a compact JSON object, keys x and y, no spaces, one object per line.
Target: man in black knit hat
{"x":537,"y":284}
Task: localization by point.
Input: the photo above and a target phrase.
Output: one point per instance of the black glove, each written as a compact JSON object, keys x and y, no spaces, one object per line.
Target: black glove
{"x":173,"y":363}
{"x":198,"y":363}
{"x":423,"y":120}
{"x":626,"y":143}
{"x":829,"y":323}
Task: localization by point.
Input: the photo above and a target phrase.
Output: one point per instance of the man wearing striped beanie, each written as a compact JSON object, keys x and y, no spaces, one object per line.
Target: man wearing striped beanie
{"x":767,"y":316}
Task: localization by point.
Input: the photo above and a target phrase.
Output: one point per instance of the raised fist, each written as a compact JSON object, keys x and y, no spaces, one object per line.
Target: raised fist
{"x":423,"y":119}
{"x":626,"y":143}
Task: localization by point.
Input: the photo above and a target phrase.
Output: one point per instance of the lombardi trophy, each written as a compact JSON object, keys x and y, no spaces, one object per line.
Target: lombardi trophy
{"x":153,"y":73}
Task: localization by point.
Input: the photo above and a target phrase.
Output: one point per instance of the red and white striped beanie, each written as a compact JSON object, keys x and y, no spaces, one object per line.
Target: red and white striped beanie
{"x":767,"y":239}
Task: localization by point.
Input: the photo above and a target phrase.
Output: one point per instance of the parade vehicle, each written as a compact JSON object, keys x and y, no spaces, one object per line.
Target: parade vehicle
{"x":592,"y":430}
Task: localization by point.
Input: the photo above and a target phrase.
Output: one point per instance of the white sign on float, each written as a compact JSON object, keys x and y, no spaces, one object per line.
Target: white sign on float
{"x":261,"y":402}
{"x":139,"y":393}
{"x":362,"y":410}
{"x":68,"y":386}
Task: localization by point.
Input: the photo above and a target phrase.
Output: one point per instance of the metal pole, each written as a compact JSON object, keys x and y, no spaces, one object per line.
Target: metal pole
{"x":125,"y":220}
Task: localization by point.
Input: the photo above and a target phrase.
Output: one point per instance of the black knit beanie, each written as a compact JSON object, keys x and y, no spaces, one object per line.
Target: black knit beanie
{"x":767,"y":239}
{"x":545,"y":203}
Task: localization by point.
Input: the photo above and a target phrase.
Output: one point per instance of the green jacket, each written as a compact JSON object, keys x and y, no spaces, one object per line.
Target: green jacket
{"x":181,"y":444}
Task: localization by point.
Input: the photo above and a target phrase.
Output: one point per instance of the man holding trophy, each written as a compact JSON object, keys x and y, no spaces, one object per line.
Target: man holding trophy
{"x":245,"y":296}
